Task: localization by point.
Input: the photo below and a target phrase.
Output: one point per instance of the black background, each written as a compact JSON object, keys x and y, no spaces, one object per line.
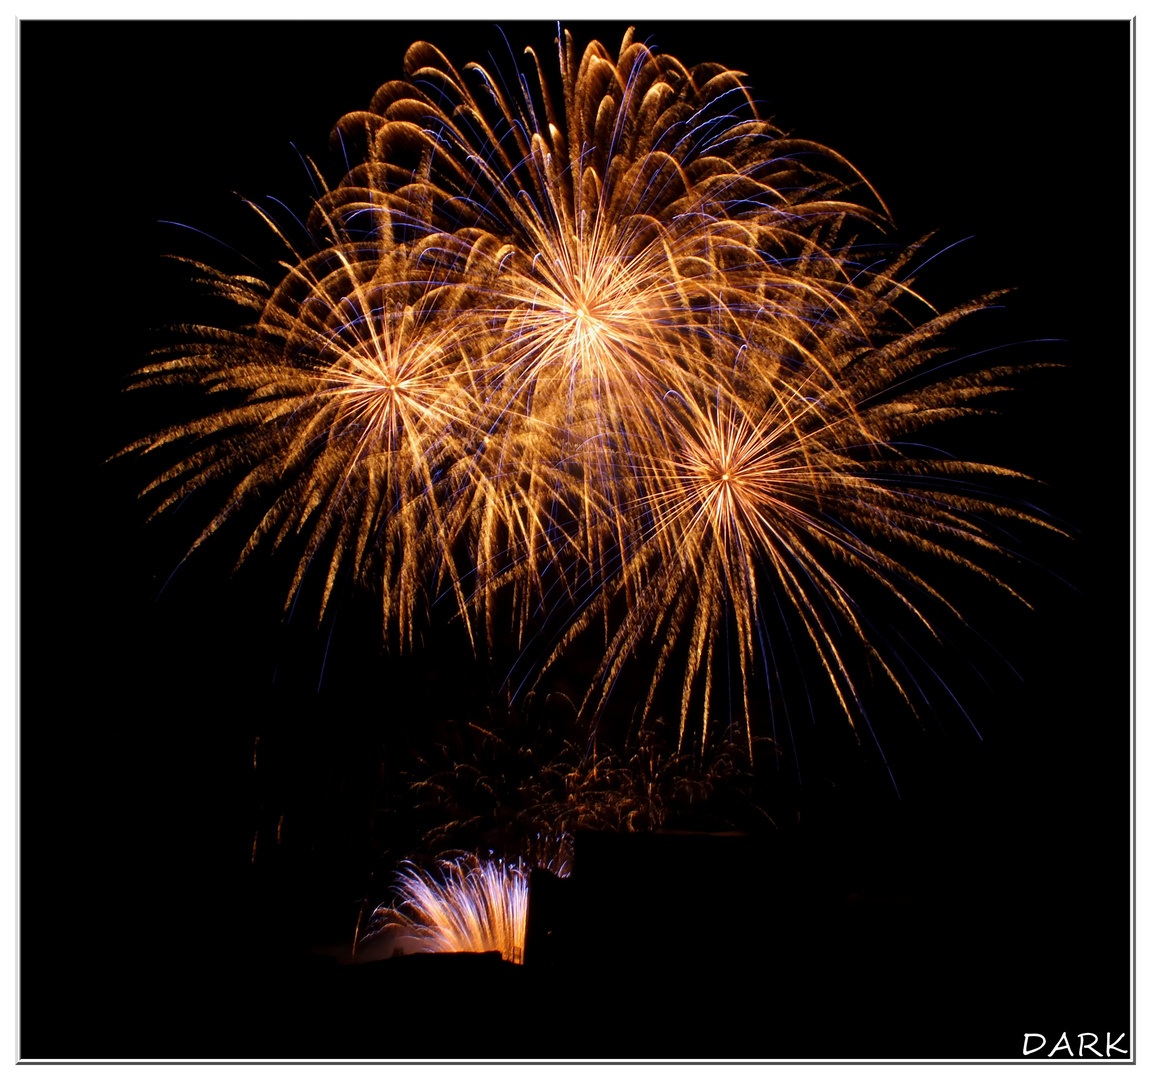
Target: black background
{"x":143,"y":690}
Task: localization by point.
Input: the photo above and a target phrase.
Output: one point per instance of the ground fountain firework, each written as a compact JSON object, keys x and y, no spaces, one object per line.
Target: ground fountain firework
{"x":465,"y":904}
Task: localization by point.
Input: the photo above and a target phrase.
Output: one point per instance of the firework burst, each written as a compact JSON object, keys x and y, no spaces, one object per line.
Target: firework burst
{"x":789,"y":490}
{"x":607,"y":354}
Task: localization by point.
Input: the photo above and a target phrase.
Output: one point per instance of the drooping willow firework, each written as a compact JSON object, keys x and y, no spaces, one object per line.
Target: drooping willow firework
{"x":608,"y":354}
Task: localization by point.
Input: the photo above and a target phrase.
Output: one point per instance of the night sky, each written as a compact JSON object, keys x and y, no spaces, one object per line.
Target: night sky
{"x":147,"y":930}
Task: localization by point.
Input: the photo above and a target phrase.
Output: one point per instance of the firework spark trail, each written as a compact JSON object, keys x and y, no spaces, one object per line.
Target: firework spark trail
{"x":465,"y":905}
{"x":604,"y":351}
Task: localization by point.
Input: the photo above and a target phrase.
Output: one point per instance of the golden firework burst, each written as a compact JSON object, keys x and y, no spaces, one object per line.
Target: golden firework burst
{"x":607,"y":352}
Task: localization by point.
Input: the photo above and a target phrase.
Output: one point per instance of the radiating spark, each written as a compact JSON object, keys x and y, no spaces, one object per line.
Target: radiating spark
{"x":463,"y":905}
{"x":601,"y":351}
